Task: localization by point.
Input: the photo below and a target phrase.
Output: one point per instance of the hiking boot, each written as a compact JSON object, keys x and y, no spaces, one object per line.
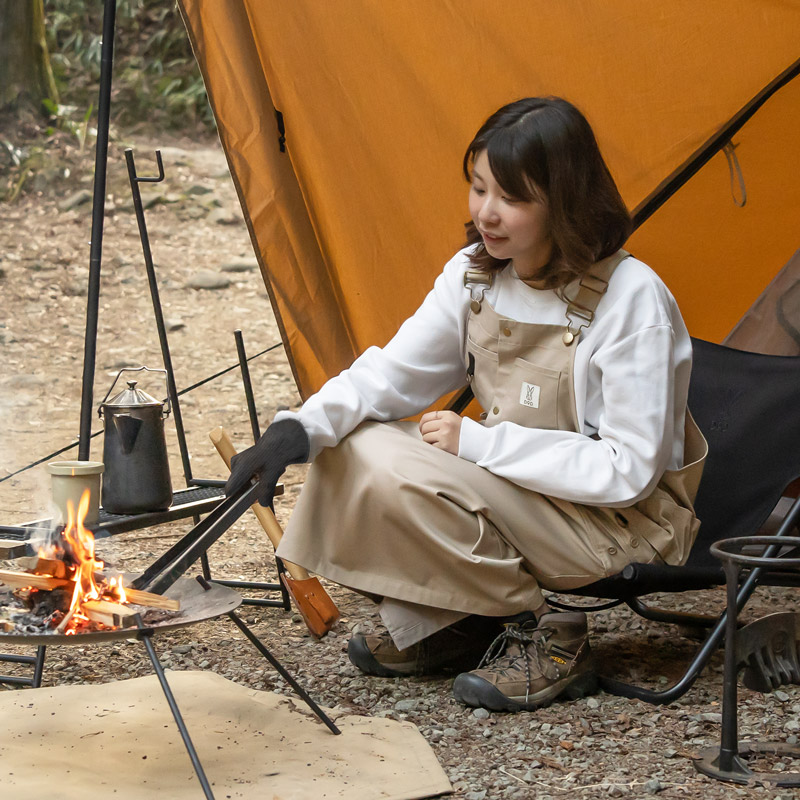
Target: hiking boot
{"x":453,"y":649}
{"x":528,"y":666}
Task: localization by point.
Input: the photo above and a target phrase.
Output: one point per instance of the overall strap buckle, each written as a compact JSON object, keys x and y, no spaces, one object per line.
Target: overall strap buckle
{"x":591,"y":289}
{"x":477,"y":281}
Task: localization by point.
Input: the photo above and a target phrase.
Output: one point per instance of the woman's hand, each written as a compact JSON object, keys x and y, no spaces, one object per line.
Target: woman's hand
{"x":442,"y":429}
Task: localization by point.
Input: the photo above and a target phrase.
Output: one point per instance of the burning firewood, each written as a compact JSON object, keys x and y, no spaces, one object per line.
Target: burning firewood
{"x":44,"y":566}
{"x":22,"y":580}
{"x":65,"y":589}
{"x":115,"y":615}
{"x":153,"y":600}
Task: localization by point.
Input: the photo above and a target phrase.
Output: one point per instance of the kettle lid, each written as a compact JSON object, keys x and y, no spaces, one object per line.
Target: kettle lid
{"x":133,"y":398}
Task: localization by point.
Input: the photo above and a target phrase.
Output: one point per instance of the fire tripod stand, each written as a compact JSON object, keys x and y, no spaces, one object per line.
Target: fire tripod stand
{"x":145,"y":636}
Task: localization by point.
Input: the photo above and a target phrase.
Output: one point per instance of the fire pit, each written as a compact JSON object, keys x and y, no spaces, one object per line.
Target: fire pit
{"x":66,"y":599}
{"x":196,"y":605}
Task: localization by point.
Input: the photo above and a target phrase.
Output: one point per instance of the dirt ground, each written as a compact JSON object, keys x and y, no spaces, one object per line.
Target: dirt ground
{"x":597,"y":747}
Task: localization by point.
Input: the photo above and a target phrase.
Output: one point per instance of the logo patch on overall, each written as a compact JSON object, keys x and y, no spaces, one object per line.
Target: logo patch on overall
{"x":529,"y":395}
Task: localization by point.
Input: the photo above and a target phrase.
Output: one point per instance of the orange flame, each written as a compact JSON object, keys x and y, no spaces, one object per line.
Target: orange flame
{"x":81,"y":544}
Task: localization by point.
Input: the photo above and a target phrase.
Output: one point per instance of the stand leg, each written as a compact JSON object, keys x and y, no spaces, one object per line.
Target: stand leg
{"x":173,"y":707}
{"x":286,"y":602}
{"x":729,"y":760}
{"x":38,"y":666}
{"x":283,"y":673}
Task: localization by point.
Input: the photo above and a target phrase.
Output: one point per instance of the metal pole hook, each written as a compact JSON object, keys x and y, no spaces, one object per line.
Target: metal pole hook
{"x":132,"y":168}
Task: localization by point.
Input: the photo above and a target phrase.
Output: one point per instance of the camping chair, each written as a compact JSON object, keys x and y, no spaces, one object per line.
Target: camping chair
{"x":748,"y":407}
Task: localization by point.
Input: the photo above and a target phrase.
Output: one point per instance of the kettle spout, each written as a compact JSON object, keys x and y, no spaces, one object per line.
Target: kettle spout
{"x":128,"y":429}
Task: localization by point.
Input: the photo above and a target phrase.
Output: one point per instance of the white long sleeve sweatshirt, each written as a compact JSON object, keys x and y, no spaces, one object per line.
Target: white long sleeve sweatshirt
{"x":632,"y":368}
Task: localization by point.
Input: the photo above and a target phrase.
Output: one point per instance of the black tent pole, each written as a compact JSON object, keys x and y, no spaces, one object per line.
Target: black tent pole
{"x":98,"y":213}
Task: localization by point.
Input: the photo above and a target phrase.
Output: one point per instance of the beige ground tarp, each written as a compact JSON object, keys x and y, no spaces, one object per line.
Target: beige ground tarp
{"x":119,"y":740}
{"x":354,"y":220}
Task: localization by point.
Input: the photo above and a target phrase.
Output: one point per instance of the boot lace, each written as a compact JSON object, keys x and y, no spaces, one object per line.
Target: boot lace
{"x":530,"y":648}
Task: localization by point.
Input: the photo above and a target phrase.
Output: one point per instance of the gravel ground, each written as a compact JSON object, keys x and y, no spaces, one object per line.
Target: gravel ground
{"x":597,"y":747}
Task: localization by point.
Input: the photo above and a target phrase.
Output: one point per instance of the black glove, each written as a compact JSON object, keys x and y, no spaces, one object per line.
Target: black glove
{"x":285,"y":442}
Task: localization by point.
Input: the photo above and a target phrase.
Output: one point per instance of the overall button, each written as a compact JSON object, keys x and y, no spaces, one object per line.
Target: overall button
{"x":634,"y":542}
{"x":621,"y":520}
{"x":495,"y":410}
{"x":612,"y":551}
{"x":506,"y":331}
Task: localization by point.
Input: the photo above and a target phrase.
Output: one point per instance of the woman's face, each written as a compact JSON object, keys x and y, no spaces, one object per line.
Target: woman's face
{"x":511,"y":228}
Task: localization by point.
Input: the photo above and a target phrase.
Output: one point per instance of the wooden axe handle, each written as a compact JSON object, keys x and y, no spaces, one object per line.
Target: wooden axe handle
{"x":222,"y":441}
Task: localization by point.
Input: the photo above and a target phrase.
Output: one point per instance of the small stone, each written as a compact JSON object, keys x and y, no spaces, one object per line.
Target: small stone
{"x":176,"y":156}
{"x":593,"y":702}
{"x":240,"y":265}
{"x":74,"y":200}
{"x":713,"y":716}
{"x":75,"y":289}
{"x":480,"y":713}
{"x":206,"y":279}
{"x":450,"y":732}
{"x":792,"y":725}
{"x":222,"y":216}
{"x":670,"y":752}
{"x":791,"y":739}
{"x":182,"y":649}
{"x":475,"y":795}
{"x":152,"y":201}
{"x":487,"y":733}
{"x":781,"y":695}
{"x":174,"y":324}
{"x":615,"y":791}
{"x":435,"y":736}
{"x":653,"y":786}
{"x":198,"y":188}
{"x":405,"y":705}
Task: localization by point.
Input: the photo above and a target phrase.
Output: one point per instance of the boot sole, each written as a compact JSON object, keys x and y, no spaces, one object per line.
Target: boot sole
{"x":361,"y":656}
{"x":479,"y":693}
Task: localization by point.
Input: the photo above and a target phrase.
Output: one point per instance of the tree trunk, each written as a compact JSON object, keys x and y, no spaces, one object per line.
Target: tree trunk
{"x":25,"y":73}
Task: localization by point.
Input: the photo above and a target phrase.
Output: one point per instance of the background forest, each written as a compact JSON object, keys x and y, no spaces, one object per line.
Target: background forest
{"x":157,"y":83}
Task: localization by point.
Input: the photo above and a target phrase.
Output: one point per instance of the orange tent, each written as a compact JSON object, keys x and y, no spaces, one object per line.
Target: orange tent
{"x":353,"y":192}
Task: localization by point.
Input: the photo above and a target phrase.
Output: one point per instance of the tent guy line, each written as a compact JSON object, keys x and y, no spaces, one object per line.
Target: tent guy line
{"x":180,"y":394}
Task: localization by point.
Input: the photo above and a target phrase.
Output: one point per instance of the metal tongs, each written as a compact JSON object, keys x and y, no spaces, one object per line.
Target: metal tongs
{"x":163,"y":572}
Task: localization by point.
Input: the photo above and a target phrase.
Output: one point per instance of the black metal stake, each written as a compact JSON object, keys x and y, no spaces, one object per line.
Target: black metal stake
{"x":256,"y":642}
{"x":144,"y":636}
{"x":166,"y":356}
{"x":247,"y":383}
{"x":98,"y":216}
{"x":285,"y":602}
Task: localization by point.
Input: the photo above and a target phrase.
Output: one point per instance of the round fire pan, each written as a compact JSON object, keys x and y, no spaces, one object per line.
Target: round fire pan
{"x":197,"y":604}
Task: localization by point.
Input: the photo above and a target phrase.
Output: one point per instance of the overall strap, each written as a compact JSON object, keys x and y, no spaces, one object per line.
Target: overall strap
{"x":590,"y":292}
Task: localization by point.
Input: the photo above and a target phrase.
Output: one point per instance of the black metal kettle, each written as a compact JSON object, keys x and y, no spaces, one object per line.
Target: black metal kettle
{"x":136,"y":477}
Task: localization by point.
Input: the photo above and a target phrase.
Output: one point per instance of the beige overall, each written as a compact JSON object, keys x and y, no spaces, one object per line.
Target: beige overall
{"x":439,"y":537}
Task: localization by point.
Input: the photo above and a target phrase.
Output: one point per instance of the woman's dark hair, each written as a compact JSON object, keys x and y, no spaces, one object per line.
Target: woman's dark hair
{"x":543,"y":148}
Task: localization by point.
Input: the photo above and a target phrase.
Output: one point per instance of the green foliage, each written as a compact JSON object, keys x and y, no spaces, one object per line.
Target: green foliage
{"x":156,"y":78}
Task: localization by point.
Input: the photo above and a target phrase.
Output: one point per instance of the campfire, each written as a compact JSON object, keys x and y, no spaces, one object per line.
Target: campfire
{"x":64,"y":589}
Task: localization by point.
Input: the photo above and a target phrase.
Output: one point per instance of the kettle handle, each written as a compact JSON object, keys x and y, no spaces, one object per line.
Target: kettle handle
{"x":135,"y":369}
